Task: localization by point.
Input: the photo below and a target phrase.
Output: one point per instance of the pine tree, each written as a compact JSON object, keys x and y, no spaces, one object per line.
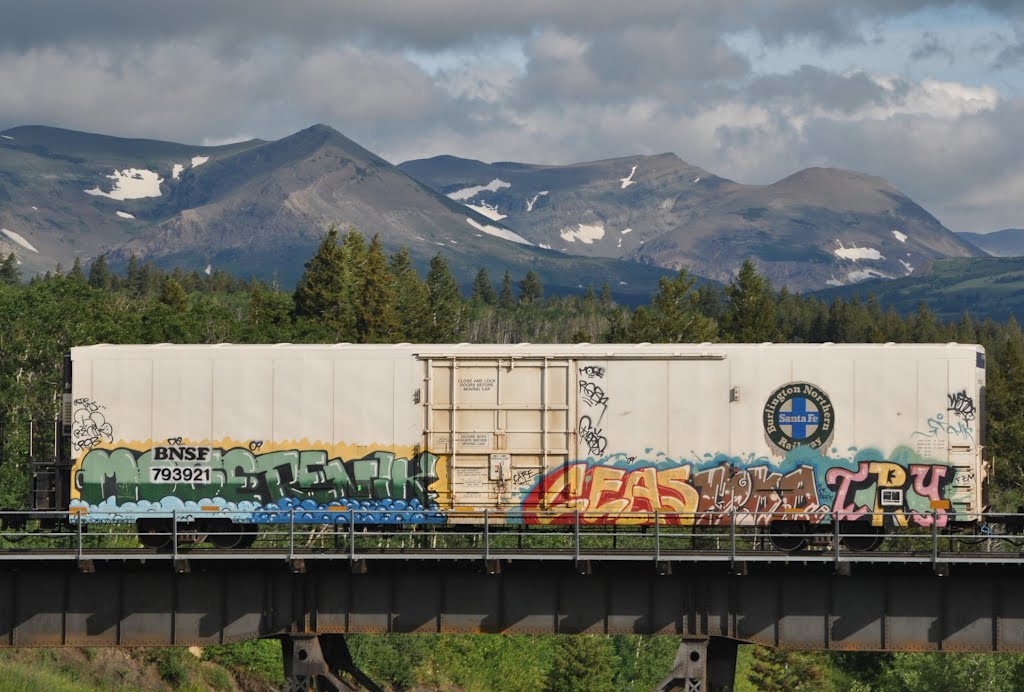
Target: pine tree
{"x":749,"y":315}
{"x":411,"y":299}
{"x":531,"y":290}
{"x":268,"y":314}
{"x":483,"y":291}
{"x":99,"y":274}
{"x":173,"y":296}
{"x":320,"y":295}
{"x":445,"y":303}
{"x":673,"y":316}
{"x":506,"y":300}
{"x":376,"y":321}
{"x":76,"y":273}
{"x":9,"y":274}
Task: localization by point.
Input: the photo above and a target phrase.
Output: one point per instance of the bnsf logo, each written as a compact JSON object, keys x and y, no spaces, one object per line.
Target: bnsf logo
{"x":181,"y":453}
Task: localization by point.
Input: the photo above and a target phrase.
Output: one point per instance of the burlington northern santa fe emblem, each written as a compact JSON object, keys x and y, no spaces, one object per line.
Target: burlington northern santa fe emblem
{"x":798,"y":414}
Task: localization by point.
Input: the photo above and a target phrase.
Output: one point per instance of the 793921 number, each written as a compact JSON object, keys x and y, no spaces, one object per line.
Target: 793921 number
{"x":179,"y":474}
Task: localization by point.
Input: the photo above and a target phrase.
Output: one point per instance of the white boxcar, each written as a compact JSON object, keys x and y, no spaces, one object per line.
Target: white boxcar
{"x":702,"y":433}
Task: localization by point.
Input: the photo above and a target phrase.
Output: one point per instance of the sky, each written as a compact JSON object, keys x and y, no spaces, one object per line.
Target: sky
{"x":928,"y":94}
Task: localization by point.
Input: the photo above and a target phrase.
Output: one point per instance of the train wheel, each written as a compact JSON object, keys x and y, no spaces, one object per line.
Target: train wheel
{"x":224,"y":534}
{"x":250,"y":532}
{"x":154,"y":533}
{"x":867,"y":537}
{"x":788,"y":536}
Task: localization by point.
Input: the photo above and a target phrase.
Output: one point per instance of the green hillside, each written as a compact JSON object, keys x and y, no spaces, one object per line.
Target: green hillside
{"x":984,"y":287}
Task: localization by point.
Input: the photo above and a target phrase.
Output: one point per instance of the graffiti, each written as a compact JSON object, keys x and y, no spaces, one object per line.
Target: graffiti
{"x":593,"y":395}
{"x":754,"y":493}
{"x":908,"y":495}
{"x":237,"y":476}
{"x":592,"y":437}
{"x":172,"y":441}
{"x":593,"y":400}
{"x":937,"y":424}
{"x":963,"y":478}
{"x":89,"y":427}
{"x":255,"y":445}
{"x":962,"y":405}
{"x":524,"y":476}
{"x":606,"y":494}
{"x":716,"y":495}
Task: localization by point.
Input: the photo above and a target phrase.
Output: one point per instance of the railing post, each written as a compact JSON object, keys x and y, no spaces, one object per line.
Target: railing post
{"x":487,"y":537}
{"x":291,"y":533}
{"x":576,"y":537}
{"x":732,"y":538}
{"x":657,"y":538}
{"x":352,"y":535}
{"x":935,"y":539}
{"x":79,"y":528}
{"x":835,"y":534}
{"x":174,"y":533}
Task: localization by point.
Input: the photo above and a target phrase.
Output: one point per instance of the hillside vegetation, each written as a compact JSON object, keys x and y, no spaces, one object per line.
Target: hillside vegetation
{"x":352,"y":291}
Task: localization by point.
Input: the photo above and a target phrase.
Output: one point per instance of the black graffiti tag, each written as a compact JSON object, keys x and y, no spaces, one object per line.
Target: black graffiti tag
{"x":962,"y":405}
{"x":593,"y":394}
{"x":592,"y":437}
{"x":90,"y":427}
{"x":592,"y":371}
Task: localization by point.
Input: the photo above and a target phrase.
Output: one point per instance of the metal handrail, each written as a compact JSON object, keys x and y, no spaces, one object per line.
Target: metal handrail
{"x":494,"y":534}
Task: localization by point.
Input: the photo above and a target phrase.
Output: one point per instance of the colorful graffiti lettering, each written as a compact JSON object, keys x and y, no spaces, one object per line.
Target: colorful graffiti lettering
{"x":716,"y":495}
{"x":274,"y":480}
{"x":606,"y":493}
{"x":906,"y":495}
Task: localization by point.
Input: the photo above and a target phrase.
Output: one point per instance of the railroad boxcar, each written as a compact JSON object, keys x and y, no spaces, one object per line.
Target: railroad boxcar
{"x":791,"y":435}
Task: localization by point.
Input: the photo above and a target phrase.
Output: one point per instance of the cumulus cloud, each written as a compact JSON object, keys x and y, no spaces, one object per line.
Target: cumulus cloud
{"x":554,"y":82}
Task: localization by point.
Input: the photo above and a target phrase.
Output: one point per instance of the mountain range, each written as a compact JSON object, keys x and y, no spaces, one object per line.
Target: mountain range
{"x":818,"y":227}
{"x":259,"y":208}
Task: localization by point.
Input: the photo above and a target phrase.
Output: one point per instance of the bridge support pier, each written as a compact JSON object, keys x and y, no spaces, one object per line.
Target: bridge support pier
{"x":313,"y":662}
{"x":705,"y":664}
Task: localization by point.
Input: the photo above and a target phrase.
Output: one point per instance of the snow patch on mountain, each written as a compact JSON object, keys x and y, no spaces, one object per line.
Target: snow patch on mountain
{"x":176,"y":171}
{"x":531,"y":202}
{"x":124,"y":215}
{"x":6,"y":136}
{"x":627,"y":230}
{"x":131,"y":183}
{"x":628,"y":180}
{"x":902,"y":237}
{"x":907,"y":266}
{"x":485,"y":209}
{"x":585,"y":233}
{"x":199,"y":160}
{"x":865,"y":274}
{"x":857,"y":253}
{"x":499,"y":232}
{"x":468,"y":193}
{"x":19,"y":239}
{"x":697,"y":179}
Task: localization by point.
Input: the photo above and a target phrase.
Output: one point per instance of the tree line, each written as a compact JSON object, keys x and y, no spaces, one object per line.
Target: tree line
{"x":352,"y":291}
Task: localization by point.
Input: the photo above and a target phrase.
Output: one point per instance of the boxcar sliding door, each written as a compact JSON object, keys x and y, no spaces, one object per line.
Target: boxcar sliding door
{"x":498,"y":422}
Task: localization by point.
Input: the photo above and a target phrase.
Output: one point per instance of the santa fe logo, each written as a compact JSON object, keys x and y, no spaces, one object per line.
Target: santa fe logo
{"x":796,"y":414}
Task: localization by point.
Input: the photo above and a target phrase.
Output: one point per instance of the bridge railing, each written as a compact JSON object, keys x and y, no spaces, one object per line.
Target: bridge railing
{"x":728,"y":537}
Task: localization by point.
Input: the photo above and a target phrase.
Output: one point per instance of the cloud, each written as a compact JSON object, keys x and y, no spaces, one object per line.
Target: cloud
{"x":931,"y":46}
{"x":553,"y":82}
